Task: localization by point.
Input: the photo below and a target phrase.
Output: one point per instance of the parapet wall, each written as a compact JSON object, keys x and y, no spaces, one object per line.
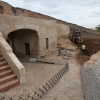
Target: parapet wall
{"x":90,"y":75}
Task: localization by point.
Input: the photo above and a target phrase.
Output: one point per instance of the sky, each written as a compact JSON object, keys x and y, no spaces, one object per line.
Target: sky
{"x":85,"y":13}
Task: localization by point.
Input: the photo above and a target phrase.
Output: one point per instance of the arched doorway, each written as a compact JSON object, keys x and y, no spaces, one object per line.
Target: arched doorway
{"x":24,"y":42}
{"x":1,"y":10}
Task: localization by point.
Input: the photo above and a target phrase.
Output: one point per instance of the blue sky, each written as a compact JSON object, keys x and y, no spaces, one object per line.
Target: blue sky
{"x":81,"y":12}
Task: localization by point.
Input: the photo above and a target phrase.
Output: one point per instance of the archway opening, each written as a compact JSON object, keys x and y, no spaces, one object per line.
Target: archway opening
{"x":1,"y":10}
{"x":24,"y":42}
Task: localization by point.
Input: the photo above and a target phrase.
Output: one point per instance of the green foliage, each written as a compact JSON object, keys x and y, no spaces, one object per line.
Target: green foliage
{"x":98,"y":28}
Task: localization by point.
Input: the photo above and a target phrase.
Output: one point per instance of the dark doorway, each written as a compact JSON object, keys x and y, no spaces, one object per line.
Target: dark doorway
{"x":24,"y":42}
{"x":27,"y":48}
{"x":47,"y":43}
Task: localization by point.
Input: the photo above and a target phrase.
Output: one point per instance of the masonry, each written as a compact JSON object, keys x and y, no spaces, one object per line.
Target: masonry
{"x":90,"y":74}
{"x":9,"y":10}
{"x":24,"y":27}
{"x":20,"y":23}
{"x":31,"y":34}
{"x":24,"y":34}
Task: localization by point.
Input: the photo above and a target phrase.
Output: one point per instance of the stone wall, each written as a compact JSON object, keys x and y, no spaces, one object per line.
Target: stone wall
{"x":90,"y":75}
{"x":63,"y":30}
{"x":9,"y":10}
{"x":45,"y":29}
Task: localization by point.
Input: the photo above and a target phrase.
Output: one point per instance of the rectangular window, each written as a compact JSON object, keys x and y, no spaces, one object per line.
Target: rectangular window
{"x":27,"y":48}
{"x":47,"y":43}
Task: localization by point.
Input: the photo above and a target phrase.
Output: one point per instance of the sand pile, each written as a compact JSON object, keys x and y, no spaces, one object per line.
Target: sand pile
{"x":64,"y":42}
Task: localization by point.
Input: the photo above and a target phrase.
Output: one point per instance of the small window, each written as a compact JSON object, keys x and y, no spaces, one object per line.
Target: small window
{"x":47,"y":43}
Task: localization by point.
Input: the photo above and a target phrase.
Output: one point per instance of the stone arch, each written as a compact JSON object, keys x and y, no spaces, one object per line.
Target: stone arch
{"x":1,"y":10}
{"x":24,"y":42}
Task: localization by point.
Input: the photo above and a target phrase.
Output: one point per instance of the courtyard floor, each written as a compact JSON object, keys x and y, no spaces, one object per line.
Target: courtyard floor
{"x":37,"y":75}
{"x":68,"y":87}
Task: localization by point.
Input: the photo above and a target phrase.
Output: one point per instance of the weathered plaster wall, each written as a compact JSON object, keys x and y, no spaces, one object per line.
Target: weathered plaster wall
{"x":9,"y":10}
{"x":20,"y":37}
{"x":44,"y":28}
{"x":63,"y":30}
{"x":31,"y":20}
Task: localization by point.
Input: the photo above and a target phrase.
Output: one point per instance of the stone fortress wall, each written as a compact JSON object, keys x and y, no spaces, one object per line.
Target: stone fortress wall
{"x":46,"y":27}
{"x":90,"y":75}
{"x":9,"y":10}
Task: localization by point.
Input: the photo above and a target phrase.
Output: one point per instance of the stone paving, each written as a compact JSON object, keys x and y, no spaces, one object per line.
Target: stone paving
{"x":69,"y":87}
{"x":37,"y":75}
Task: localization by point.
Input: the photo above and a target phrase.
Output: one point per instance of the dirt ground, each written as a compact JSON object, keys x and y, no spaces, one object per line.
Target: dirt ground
{"x":82,"y":58}
{"x":69,"y":87}
{"x":64,"y":43}
{"x":92,"y":45}
{"x":93,"y":59}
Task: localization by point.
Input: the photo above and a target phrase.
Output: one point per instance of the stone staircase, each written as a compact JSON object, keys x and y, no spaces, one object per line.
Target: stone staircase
{"x":7,"y":78}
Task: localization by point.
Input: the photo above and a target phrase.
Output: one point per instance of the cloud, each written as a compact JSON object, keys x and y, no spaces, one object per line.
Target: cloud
{"x":82,"y":12}
{"x":17,"y":3}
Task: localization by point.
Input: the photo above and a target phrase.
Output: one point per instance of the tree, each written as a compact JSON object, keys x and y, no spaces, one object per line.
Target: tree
{"x":98,"y":28}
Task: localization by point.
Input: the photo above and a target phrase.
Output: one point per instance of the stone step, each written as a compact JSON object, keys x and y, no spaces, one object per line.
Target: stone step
{"x":2,"y":59}
{"x":3,"y":63}
{"x":6,"y":73}
{"x":7,"y":79}
{"x":4,"y":68}
{"x":9,"y":85}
